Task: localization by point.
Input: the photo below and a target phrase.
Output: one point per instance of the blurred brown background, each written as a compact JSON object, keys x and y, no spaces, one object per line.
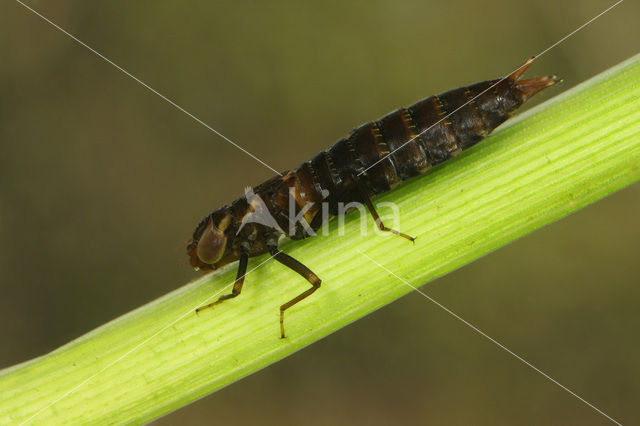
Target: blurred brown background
{"x":101,"y":180}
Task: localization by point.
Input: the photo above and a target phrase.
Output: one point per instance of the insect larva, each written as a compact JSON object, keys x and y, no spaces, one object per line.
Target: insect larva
{"x":374,"y":158}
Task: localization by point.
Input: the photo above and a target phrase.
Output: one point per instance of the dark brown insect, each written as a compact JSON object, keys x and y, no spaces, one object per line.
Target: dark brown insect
{"x":373,"y":159}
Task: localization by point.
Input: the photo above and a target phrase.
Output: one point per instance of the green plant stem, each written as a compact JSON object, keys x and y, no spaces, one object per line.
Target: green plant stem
{"x":543,"y":165}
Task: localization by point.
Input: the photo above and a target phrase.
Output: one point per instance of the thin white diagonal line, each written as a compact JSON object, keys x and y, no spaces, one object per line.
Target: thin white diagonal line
{"x":493,"y":85}
{"x":138,"y":346}
{"x":149,"y":87}
{"x":500,"y":345}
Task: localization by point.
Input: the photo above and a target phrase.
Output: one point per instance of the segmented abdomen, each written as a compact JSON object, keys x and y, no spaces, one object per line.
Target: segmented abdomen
{"x":380,"y":154}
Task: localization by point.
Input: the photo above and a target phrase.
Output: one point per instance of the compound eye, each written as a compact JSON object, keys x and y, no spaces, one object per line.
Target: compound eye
{"x":211,"y":245}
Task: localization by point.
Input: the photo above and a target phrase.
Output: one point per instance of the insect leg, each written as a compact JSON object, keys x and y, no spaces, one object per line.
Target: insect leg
{"x":298,"y":267}
{"x":364,"y":195}
{"x":237,"y":285}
